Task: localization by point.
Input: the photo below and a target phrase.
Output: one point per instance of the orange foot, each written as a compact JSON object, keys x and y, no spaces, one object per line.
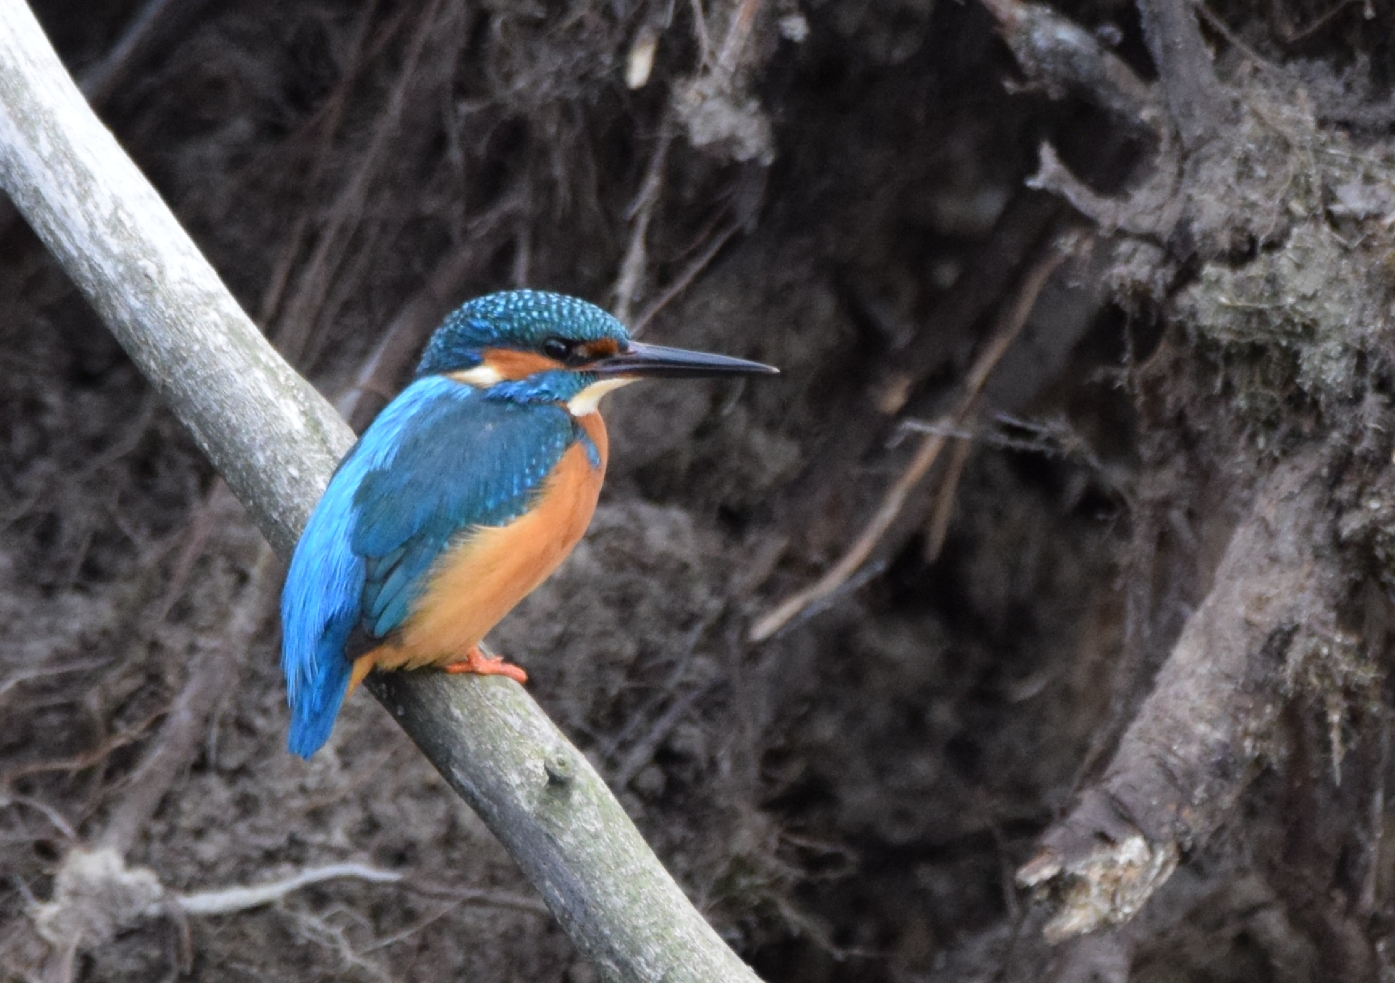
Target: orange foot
{"x":477,"y":662}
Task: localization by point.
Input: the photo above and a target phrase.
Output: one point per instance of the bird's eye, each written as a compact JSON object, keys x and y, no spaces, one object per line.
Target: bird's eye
{"x":557,"y":349}
{"x":567,"y":351}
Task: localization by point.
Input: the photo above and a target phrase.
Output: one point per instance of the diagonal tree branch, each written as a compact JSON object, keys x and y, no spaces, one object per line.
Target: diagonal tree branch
{"x":1206,"y":729}
{"x":276,"y":441}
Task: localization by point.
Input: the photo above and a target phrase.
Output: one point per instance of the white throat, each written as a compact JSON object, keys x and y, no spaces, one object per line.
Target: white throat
{"x":586,"y":402}
{"x":481,"y":376}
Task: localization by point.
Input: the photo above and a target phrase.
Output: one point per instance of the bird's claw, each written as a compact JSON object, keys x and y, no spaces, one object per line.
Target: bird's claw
{"x":482,"y":665}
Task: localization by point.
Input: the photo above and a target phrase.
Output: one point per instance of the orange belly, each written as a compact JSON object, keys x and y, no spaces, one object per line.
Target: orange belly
{"x":479,"y":579}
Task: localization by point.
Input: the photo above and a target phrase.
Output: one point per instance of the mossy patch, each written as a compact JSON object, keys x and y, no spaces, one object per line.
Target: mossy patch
{"x":1306,"y":303}
{"x":1303,"y":317}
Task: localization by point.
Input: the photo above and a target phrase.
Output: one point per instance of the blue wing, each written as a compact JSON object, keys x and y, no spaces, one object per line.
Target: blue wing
{"x":469,"y":461}
{"x":440,"y":458}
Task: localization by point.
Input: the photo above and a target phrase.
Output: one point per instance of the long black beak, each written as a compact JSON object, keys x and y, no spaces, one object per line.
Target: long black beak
{"x":640,"y":360}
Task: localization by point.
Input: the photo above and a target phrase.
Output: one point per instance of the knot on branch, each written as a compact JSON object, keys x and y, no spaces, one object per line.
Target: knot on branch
{"x":1105,"y":884}
{"x":559,"y":768}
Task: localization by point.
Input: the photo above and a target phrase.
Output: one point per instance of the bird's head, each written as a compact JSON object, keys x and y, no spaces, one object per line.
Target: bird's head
{"x":544,"y":347}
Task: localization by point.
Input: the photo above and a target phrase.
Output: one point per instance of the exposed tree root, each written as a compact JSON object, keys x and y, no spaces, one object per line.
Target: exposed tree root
{"x":1209,"y":723}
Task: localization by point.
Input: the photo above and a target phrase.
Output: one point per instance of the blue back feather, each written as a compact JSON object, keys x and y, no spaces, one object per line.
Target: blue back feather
{"x":441,"y":458}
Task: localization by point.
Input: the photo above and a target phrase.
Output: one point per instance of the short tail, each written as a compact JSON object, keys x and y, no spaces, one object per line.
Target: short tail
{"x":320,"y":606}
{"x":315,"y":704}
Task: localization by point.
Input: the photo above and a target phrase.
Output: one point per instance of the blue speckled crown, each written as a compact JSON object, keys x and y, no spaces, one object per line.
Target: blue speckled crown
{"x":521,"y":319}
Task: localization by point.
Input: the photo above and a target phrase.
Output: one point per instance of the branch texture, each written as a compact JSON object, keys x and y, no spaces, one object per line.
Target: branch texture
{"x":1203,"y":732}
{"x":1198,"y":102}
{"x":276,"y":441}
{"x":1065,"y":57}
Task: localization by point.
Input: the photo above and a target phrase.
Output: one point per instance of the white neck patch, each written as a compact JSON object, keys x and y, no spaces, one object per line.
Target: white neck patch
{"x":586,"y":402}
{"x":481,"y":377}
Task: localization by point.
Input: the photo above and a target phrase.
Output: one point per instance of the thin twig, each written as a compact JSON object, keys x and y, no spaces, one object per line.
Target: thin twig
{"x":402,"y":340}
{"x":1370,"y":900}
{"x":681,"y":665}
{"x":100,"y":80}
{"x":632,"y":267}
{"x":684,"y":279}
{"x":529,"y":904}
{"x":738,"y":32}
{"x":195,"y":534}
{"x":327,"y":122}
{"x":1290,"y":34}
{"x":944,"y":500}
{"x":643,"y":750}
{"x":231,"y":899}
{"x":135,"y":433}
{"x":295,"y":325}
{"x":704,"y":42}
{"x":81,"y":761}
{"x":20,"y":676}
{"x":49,"y":812}
{"x":1008,"y":328}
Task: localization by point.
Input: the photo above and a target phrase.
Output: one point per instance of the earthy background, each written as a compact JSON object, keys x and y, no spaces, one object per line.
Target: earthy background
{"x":1136,"y":605}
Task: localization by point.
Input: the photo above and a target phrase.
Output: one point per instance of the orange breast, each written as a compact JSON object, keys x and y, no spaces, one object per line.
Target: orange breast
{"x":480,"y":579}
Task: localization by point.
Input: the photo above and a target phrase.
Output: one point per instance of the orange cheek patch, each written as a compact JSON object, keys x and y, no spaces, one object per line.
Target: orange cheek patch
{"x":603,"y":348}
{"x":512,"y":364}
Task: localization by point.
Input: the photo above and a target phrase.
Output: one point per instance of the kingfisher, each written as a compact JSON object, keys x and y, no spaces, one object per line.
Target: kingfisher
{"x":462,"y":496}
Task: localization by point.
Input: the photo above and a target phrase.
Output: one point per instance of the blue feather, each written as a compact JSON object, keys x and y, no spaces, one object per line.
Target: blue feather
{"x":441,"y":458}
{"x":515,"y":319}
